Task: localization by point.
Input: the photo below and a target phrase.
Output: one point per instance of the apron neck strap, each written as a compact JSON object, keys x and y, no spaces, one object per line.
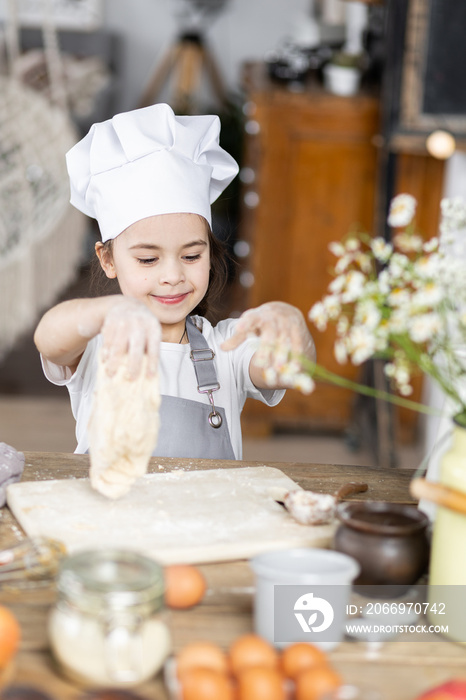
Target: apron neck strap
{"x":202,"y":358}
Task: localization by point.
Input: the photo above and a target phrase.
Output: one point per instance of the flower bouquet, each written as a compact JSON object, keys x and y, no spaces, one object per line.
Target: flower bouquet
{"x":403,"y":302}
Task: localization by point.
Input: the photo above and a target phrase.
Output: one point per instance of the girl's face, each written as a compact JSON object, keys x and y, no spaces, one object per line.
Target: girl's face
{"x":164,"y":261}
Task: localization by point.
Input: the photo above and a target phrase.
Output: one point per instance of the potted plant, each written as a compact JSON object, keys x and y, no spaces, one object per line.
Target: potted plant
{"x":342,"y":74}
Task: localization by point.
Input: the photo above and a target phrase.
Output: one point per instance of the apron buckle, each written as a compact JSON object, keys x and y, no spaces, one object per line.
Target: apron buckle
{"x":205,"y":354}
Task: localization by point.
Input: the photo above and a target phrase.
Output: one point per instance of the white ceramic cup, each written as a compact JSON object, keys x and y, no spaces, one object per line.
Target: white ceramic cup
{"x":302,"y":567}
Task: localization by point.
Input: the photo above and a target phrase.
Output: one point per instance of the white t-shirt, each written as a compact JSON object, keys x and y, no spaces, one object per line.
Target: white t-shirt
{"x":177,"y":378}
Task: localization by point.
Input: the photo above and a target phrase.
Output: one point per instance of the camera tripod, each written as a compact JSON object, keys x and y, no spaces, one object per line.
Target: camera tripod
{"x":187,"y":59}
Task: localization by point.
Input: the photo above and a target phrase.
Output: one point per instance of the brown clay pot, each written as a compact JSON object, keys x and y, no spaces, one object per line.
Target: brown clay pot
{"x":389,"y":541}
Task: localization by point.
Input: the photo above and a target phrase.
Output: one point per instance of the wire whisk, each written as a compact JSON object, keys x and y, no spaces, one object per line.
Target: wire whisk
{"x":33,"y":559}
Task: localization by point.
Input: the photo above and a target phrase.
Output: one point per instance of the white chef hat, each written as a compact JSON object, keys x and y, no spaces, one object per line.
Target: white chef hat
{"x":148,"y":162}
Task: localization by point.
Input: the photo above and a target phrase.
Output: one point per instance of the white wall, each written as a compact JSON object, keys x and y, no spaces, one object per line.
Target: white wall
{"x":247,"y":29}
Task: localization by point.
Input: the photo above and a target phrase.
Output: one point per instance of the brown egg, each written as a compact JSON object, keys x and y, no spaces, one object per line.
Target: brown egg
{"x":184,"y":586}
{"x":201,"y":655}
{"x":10,"y":635}
{"x":261,"y":683}
{"x":251,"y":650}
{"x":315,"y":683}
{"x":301,"y":656}
{"x":206,"y":684}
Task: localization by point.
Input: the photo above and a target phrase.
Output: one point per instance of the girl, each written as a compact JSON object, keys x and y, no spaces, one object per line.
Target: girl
{"x":149,"y":178}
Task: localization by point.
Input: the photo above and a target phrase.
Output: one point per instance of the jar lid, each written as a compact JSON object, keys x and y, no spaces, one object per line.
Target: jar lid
{"x":112,"y":579}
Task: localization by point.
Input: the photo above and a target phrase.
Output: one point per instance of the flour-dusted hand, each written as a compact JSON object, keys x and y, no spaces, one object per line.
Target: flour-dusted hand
{"x":283,"y":338}
{"x":129,"y":332}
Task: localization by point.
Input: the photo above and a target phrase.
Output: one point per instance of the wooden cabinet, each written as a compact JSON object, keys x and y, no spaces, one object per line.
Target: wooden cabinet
{"x":309,"y":176}
{"x":311,"y":171}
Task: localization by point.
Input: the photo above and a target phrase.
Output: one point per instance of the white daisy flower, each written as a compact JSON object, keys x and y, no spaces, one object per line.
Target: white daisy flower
{"x":402,"y":210}
{"x":332,"y":305}
{"x":430,"y":294}
{"x":364,"y":262}
{"x":382,"y":337}
{"x":431,"y":245}
{"x":361,"y":344}
{"x":384,"y":282}
{"x":401,"y":375}
{"x":424,"y":327}
{"x":343,"y":325}
{"x":318,"y":316}
{"x":355,"y":281}
{"x":343,"y":264}
{"x":336,"y":248}
{"x":428,"y":266}
{"x":408,"y":243}
{"x":339,"y":350}
{"x":405,"y":389}
{"x":367,"y":314}
{"x":399,"y":297}
{"x":397,"y":265}
{"x":389,"y":370}
{"x":352,"y":245}
{"x":381,"y":249}
{"x":337,"y":284}
{"x":304,"y":383}
{"x":453,"y":214}
{"x":398,"y":322}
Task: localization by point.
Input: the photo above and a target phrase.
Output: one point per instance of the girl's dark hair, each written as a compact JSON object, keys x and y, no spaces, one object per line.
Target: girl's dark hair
{"x":209,"y":306}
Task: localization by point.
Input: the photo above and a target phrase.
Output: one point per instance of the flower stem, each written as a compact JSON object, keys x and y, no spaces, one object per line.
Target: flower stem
{"x":318,"y":372}
{"x":426,"y":365}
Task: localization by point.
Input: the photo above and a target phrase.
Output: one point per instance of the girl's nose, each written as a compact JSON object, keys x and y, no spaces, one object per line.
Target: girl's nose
{"x":171,"y":272}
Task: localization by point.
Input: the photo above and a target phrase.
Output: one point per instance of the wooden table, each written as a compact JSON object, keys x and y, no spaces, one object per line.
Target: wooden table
{"x":400,"y":670}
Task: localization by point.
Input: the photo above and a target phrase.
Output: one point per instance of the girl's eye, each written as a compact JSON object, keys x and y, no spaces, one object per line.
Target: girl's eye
{"x":191,"y":258}
{"x":146,"y":261}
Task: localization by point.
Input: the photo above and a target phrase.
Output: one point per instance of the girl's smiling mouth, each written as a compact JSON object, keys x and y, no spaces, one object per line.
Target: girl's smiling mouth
{"x":171,"y":299}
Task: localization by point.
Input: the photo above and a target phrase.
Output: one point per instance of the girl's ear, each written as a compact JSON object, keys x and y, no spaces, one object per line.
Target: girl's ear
{"x":105,"y":259}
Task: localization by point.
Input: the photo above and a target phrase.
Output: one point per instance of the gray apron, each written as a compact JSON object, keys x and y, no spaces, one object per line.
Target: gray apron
{"x":190,"y":428}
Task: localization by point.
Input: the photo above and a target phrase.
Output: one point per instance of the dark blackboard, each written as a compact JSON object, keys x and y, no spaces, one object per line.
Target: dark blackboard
{"x":445,"y":61}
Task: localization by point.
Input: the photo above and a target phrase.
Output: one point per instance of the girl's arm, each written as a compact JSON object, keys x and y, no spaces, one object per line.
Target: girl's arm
{"x":128,"y":329}
{"x":283,"y":333}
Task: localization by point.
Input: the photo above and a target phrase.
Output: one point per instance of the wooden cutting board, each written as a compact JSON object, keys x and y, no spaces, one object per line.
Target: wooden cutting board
{"x":178,"y":517}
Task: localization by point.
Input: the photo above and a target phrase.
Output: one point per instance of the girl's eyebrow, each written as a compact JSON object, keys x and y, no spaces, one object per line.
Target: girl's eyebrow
{"x":152,"y":246}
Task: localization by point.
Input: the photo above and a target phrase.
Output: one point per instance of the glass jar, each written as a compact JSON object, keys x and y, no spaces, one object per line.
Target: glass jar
{"x":108,"y":626}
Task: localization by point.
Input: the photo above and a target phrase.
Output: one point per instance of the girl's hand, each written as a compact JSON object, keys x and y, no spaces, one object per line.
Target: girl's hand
{"x":283,"y":335}
{"x":129,"y":332}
